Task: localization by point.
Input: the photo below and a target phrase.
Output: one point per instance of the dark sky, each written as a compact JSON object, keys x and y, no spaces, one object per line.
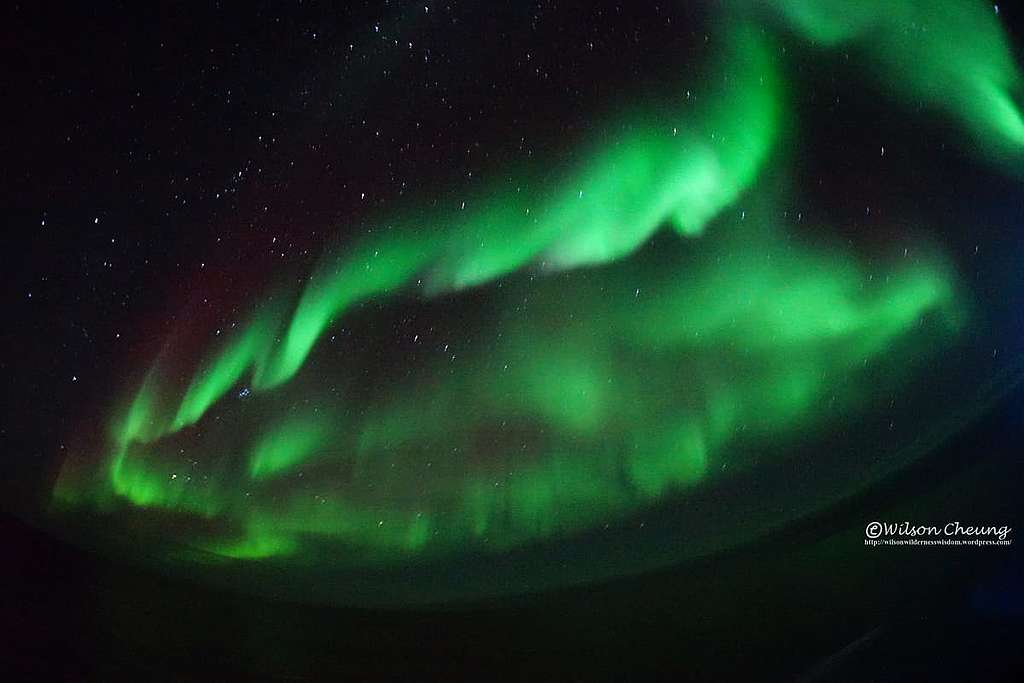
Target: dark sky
{"x":161,"y":164}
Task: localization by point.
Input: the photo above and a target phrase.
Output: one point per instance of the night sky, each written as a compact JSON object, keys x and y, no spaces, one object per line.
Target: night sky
{"x":623,"y":319}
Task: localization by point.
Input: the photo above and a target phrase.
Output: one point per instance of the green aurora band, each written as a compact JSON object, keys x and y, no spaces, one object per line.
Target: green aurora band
{"x":618,"y":379}
{"x":557,"y":421}
{"x":952,"y":56}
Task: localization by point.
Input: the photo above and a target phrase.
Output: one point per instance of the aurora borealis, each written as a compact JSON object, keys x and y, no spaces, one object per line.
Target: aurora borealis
{"x":635,"y":319}
{"x":520,"y":441}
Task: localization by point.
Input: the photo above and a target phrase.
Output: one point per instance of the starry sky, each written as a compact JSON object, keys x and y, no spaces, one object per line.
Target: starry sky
{"x":452,"y":300}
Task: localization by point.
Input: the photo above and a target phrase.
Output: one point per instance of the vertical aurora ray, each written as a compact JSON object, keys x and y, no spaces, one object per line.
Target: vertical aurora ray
{"x":247,"y":350}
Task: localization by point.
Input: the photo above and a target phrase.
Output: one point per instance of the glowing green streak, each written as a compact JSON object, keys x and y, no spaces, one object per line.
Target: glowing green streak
{"x":683,"y":170}
{"x":951,"y":55}
{"x":289,"y":444}
{"x":249,"y":348}
{"x":374,"y":269}
{"x":253,"y":546}
{"x":147,"y":483}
